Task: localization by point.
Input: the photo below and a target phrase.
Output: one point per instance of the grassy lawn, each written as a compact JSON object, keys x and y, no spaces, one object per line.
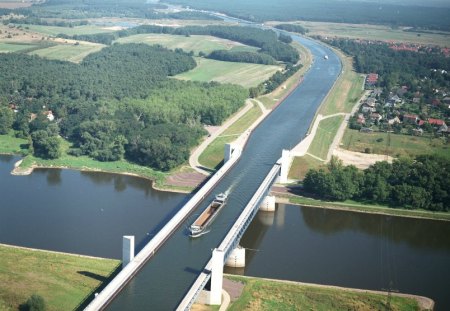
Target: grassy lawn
{"x":324,"y":136}
{"x":64,"y":281}
{"x":375,"y":32}
{"x":394,"y":144}
{"x":350,"y":205}
{"x":213,"y":154}
{"x":14,"y":47}
{"x":12,"y":145}
{"x":244,"y":74}
{"x":347,"y":90}
{"x":55,"y":30}
{"x":197,"y":44}
{"x":301,"y":165}
{"x":68,"y":52}
{"x":271,"y":99}
{"x":260,"y":294}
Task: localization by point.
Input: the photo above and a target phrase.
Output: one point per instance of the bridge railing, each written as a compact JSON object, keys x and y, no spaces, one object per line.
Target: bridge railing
{"x":232,"y":238}
{"x":119,"y":282}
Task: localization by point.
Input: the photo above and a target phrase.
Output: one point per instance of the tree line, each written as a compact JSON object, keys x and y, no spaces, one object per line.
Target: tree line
{"x":267,"y":40}
{"x":274,"y":81}
{"x":292,"y":28}
{"x":117,"y":103}
{"x":406,"y":183}
{"x":242,"y":57}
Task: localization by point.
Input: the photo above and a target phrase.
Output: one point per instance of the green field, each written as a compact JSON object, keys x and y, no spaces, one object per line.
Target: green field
{"x":394,"y":144}
{"x":262,"y":294}
{"x":301,"y":165}
{"x":324,"y":136}
{"x":375,"y":32}
{"x":244,"y":74}
{"x":64,"y":281}
{"x":197,"y":44}
{"x":12,"y":145}
{"x":213,"y":154}
{"x":14,"y":47}
{"x":55,"y":30}
{"x":68,"y":52}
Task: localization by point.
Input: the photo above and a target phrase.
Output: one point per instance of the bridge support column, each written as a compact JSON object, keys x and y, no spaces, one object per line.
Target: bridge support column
{"x":127,"y":249}
{"x":268,"y":204}
{"x":215,"y":297}
{"x":236,"y":258}
{"x":285,"y":166}
{"x":231,"y":151}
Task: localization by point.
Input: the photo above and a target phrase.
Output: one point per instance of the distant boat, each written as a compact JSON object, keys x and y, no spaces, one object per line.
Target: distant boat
{"x":326,"y":57}
{"x":208,"y":215}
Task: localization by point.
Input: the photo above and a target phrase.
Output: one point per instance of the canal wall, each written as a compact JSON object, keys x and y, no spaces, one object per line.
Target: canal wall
{"x":129,"y":271}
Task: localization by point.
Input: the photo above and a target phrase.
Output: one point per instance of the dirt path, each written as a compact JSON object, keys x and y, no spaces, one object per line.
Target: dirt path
{"x":358,"y":159}
{"x":217,"y":130}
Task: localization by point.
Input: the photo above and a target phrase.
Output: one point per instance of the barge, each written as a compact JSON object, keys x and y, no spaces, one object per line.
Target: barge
{"x":208,"y":215}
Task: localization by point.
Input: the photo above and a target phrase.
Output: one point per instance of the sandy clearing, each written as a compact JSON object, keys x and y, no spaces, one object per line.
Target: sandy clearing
{"x":360,"y":160}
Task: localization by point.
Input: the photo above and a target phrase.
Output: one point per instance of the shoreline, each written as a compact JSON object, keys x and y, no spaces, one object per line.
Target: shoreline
{"x":424,"y":303}
{"x":279,"y":198}
{"x":349,"y":208}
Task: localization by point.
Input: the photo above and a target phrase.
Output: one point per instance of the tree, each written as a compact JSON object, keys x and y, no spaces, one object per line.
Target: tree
{"x":6,"y":120}
{"x":35,"y":303}
{"x":45,"y":146}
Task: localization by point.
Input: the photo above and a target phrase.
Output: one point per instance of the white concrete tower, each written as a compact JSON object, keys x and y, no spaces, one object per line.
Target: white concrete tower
{"x":127,"y":249}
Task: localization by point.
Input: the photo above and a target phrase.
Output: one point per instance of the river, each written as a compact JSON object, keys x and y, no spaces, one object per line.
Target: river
{"x":87,"y":213}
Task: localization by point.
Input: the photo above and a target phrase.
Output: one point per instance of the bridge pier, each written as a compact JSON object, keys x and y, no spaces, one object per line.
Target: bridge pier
{"x":268,"y":204}
{"x":215,"y":297}
{"x":231,"y":151}
{"x":127,"y":249}
{"x":237,"y":258}
{"x":285,"y":166}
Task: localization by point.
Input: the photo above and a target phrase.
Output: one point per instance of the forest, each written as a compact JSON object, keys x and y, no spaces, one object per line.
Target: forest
{"x":292,"y":28}
{"x":358,"y":12}
{"x":267,"y":40}
{"x":117,"y":103}
{"x":242,"y":57}
{"x":406,"y":183}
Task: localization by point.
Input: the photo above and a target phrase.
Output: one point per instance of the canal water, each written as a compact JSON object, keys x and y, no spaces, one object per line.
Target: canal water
{"x":88,"y":213}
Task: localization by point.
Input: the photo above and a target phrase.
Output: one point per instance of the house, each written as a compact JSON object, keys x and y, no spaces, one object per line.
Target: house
{"x":421,"y":122}
{"x":396,"y":99}
{"x":410,"y":118}
{"x":371,"y":102}
{"x":393,"y":121}
{"x":416,"y":100}
{"x":375,"y":116}
{"x":371,"y":79}
{"x":436,"y":122}
{"x":443,"y":129}
{"x":367,"y":109}
{"x":361,"y":119}
{"x":401,"y":91}
{"x":377,"y":92}
{"x":49,"y":115}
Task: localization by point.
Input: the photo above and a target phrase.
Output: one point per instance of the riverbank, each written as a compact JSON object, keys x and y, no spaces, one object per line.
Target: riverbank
{"x":283,"y":196}
{"x":269,"y":294}
{"x":63,"y":280}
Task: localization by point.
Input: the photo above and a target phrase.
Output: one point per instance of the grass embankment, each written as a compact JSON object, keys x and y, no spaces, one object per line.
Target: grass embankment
{"x":244,"y":74}
{"x":213,"y":154}
{"x":69,"y":52}
{"x":205,"y":44}
{"x":64,"y":281}
{"x":263,"y":294}
{"x":324,"y":136}
{"x":350,"y":205}
{"x":271,"y":99}
{"x":342,"y":97}
{"x":394,"y":144}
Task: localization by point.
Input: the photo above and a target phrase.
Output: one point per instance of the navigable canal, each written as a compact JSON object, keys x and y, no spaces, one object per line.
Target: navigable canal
{"x":88,"y":213}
